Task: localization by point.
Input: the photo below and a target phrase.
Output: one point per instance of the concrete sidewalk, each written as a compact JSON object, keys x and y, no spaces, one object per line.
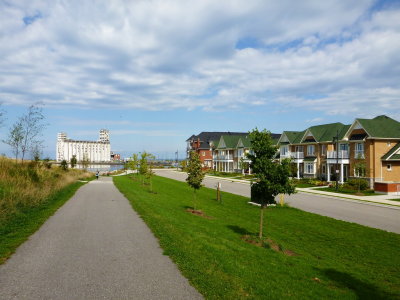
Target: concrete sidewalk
{"x":382,"y":199}
{"x":94,"y":247}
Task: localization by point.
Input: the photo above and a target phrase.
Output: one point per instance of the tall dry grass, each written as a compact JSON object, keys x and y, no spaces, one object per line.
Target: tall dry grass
{"x":29,"y":184}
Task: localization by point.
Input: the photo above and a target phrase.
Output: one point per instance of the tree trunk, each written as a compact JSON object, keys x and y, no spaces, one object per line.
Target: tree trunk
{"x":261,"y":222}
{"x":194,"y":199}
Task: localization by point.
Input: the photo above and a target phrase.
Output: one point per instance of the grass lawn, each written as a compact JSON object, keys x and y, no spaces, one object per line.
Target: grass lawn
{"x":304,"y":185}
{"x":20,"y":226}
{"x":335,"y":259}
{"x":348,"y":192}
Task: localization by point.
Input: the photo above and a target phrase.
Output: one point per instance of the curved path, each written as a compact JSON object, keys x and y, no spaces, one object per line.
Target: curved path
{"x":365,"y":213}
{"x":94,"y":247}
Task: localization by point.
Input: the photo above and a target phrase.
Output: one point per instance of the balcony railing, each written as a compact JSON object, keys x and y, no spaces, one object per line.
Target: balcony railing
{"x":359,"y":154}
{"x":343,"y":154}
{"x":295,"y":155}
{"x":222,"y":157}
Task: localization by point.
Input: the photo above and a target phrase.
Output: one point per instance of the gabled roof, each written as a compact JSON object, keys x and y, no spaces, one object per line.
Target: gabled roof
{"x":325,"y":132}
{"x":378,"y":127}
{"x":292,"y":136}
{"x":207,"y":136}
{"x":393,"y":154}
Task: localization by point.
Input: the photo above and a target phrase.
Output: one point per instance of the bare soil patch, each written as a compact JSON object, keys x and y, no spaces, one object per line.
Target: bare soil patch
{"x":267,"y":243}
{"x":198,"y":213}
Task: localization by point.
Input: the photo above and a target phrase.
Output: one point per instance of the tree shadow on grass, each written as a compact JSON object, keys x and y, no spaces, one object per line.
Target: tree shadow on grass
{"x":362,"y":289}
{"x":239,"y":230}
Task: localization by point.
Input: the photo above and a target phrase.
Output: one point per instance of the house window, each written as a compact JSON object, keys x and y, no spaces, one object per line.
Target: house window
{"x":299,"y":148}
{"x":359,"y":151}
{"x":309,"y":168}
{"x":389,"y":144}
{"x":203,"y":153}
{"x":389,"y":167}
{"x":311,"y":150}
{"x":284,"y":150}
{"x":323,"y":169}
{"x":323,"y":150}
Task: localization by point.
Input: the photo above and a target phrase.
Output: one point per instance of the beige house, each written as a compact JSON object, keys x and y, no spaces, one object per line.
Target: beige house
{"x":333,"y":150}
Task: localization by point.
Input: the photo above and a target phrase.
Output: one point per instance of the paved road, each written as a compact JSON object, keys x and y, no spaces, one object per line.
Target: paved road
{"x":94,"y":247}
{"x":372,"y":215}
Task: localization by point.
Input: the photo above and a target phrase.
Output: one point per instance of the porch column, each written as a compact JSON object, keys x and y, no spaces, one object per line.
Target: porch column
{"x":298,"y":169}
{"x":328,"y":169}
{"x":341,"y":174}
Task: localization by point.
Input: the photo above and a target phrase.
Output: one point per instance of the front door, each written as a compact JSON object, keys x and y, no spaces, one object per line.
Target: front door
{"x":345,"y":172}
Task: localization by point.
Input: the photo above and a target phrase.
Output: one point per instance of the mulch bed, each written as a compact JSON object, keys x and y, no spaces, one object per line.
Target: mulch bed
{"x":198,"y":213}
{"x":267,"y":243}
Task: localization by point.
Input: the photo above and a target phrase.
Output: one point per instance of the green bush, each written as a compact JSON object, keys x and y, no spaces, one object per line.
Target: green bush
{"x":357,"y":183}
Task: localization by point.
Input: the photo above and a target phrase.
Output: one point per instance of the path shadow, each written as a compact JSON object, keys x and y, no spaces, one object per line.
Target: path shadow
{"x":362,"y":289}
{"x":239,"y":230}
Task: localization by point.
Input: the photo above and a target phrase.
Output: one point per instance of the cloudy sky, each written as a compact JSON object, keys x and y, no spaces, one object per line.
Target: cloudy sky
{"x":154,"y":72}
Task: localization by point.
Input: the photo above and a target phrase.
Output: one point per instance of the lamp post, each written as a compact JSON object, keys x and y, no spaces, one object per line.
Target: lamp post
{"x":336,"y":140}
{"x":176,"y":155}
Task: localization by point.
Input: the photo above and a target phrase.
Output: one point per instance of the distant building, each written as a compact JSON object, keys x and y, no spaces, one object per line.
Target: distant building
{"x":115,"y":156}
{"x":94,"y":151}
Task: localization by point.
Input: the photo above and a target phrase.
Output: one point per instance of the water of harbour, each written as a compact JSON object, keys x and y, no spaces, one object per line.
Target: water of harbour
{"x":101,"y":167}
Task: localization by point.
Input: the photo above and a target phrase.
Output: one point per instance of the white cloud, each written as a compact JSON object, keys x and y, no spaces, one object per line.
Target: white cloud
{"x":155,"y":55}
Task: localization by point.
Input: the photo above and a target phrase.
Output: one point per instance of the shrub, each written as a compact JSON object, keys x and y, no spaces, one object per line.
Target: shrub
{"x":357,"y":183}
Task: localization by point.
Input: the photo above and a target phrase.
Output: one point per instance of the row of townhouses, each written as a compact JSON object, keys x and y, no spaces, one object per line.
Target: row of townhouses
{"x":326,"y":151}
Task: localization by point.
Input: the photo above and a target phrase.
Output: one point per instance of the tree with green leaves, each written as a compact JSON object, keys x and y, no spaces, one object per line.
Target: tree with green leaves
{"x":195,"y":174}
{"x":85,"y":161}
{"x":133,"y":163}
{"x":15,"y":138}
{"x":73,"y":161}
{"x":64,"y":165}
{"x":272,"y":177}
{"x":360,"y":169}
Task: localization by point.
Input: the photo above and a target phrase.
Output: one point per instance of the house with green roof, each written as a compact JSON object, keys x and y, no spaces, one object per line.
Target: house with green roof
{"x":229,"y":153}
{"x":332,"y":150}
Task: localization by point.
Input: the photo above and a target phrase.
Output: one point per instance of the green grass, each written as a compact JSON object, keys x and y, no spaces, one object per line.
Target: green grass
{"x":395,"y":199}
{"x":347,"y":192}
{"x":305,"y":185}
{"x":350,"y":261}
{"x":26,"y":221}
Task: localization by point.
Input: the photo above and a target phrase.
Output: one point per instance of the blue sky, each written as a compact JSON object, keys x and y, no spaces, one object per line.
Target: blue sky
{"x":155,"y":72}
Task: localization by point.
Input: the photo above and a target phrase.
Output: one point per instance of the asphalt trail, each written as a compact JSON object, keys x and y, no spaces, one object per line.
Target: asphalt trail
{"x":94,"y":247}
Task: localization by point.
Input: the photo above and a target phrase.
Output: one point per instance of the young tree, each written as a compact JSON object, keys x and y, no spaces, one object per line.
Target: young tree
{"x":272,"y":177}
{"x":64,"y":165}
{"x":360,"y":169}
{"x":133,"y":164}
{"x":195,"y":174}
{"x":143,"y":165}
{"x":32,"y":127}
{"x":73,"y":161}
{"x":85,"y":161}
{"x":15,"y":138}
{"x":150,"y":173}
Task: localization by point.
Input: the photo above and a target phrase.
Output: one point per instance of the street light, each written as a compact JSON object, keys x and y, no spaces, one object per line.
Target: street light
{"x":336,"y":139}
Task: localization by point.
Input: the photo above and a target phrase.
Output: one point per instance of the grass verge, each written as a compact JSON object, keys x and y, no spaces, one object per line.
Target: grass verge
{"x":26,"y":221}
{"x":348,"y":192}
{"x":334,"y":259}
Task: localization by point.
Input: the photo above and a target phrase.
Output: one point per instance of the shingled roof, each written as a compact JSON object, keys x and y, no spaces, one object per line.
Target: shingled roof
{"x":381,"y":127}
{"x":393,"y":154}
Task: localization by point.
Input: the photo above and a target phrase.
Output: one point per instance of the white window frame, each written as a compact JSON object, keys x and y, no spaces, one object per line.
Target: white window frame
{"x":389,"y":167}
{"x":309,"y":168}
{"x":310,"y":153}
{"x":284,"y":150}
{"x":323,"y":150}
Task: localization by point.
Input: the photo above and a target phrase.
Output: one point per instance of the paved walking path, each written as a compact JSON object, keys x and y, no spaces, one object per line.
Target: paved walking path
{"x":94,"y":247}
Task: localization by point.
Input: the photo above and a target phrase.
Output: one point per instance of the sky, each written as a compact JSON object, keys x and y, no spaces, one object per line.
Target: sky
{"x":154,"y":72}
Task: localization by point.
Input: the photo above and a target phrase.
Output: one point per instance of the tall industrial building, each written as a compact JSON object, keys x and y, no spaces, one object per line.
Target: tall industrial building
{"x":94,"y":151}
